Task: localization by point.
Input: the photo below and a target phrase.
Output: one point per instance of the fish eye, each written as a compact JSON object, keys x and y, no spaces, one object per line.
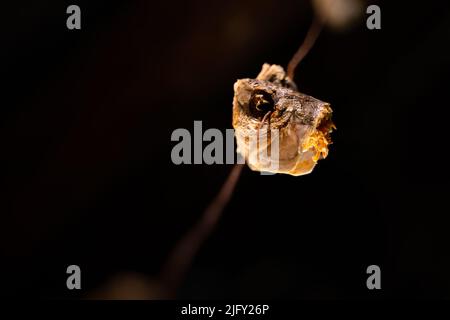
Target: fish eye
{"x":260,"y":103}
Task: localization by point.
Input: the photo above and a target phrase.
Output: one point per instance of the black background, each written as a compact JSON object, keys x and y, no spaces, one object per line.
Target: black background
{"x":86,"y":176}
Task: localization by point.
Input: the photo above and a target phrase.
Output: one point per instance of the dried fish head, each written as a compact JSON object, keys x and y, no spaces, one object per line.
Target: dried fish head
{"x":279,"y":129}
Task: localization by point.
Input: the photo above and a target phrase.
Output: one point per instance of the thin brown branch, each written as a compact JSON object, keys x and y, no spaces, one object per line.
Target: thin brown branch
{"x":308,"y":43}
{"x":184,"y":252}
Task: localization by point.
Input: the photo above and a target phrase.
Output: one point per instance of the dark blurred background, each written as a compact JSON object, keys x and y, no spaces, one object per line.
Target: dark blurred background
{"x":86,"y":176}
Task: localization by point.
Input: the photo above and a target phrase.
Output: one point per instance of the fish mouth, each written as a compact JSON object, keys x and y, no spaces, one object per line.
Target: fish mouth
{"x":320,"y":137}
